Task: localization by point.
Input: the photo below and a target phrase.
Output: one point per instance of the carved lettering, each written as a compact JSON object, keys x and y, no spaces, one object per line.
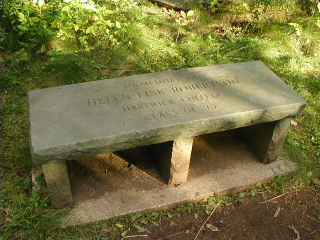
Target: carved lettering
{"x":109,"y":99}
{"x":129,"y":85}
{"x":193,"y":91}
{"x":92,"y":102}
{"x":200,"y":97}
{"x":161,"y":115}
{"x":203,"y":85}
{"x":151,"y":93}
{"x":192,"y":87}
{"x":148,"y":105}
{"x":146,"y":83}
{"x":167,"y":80}
{"x":165,"y":114}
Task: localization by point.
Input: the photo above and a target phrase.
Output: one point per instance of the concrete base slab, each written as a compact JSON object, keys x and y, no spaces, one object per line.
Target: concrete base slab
{"x":106,"y":186}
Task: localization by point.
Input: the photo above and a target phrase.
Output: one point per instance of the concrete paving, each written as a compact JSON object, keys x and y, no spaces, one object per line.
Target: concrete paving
{"x":106,"y":186}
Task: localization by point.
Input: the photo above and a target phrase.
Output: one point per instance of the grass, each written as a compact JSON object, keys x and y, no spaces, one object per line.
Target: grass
{"x":248,"y":30}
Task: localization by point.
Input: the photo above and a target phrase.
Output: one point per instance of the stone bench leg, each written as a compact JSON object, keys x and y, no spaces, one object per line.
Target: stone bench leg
{"x":173,"y":159}
{"x":266,"y":139}
{"x":57,"y":178}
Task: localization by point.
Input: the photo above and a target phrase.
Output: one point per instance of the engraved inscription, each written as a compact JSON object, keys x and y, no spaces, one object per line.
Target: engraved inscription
{"x":166,"y":114}
{"x":200,"y":97}
{"x":148,"y":105}
{"x":109,"y":99}
{"x":196,"y":96}
{"x":167,"y":80}
{"x":151,"y":93}
{"x":203,"y":85}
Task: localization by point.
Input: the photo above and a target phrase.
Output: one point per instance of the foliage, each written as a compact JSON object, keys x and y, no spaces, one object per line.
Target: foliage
{"x":88,"y":24}
{"x":28,"y":24}
{"x":91,"y":26}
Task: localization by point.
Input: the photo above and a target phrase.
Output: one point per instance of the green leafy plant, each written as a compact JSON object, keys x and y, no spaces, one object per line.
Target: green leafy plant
{"x":88,"y":24}
{"x":182,"y":18}
{"x":32,"y":25}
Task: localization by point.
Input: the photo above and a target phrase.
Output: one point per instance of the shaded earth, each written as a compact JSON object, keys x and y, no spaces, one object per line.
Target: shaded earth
{"x":293,"y":215}
{"x":266,"y":215}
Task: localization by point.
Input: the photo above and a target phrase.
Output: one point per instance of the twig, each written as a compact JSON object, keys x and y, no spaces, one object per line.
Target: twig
{"x":278,"y":228}
{"x":178,"y":34}
{"x":132,"y":236}
{"x":295,"y":231}
{"x":248,"y":201}
{"x":273,"y":198}
{"x":206,"y":220}
{"x":313,"y":218}
{"x":171,"y":235}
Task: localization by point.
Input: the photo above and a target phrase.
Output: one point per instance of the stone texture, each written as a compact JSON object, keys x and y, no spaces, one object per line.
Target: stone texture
{"x":173,"y":159}
{"x":58,"y":184}
{"x":266,"y":139}
{"x":180,"y":160}
{"x":278,"y":138}
{"x":117,"y":114}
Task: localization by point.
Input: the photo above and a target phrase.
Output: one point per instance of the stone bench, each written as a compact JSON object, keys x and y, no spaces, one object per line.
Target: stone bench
{"x":164,"y":110}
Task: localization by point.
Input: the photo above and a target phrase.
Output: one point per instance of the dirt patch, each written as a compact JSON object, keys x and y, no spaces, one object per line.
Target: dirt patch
{"x":265,"y":216}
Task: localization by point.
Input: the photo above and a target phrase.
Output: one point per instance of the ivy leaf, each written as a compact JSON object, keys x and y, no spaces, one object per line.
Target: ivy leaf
{"x":43,"y":48}
{"x":21,"y":17}
{"x":118,"y":25}
{"x":190,"y":14}
{"x":138,"y":227}
{"x":135,"y":217}
{"x":172,"y":13}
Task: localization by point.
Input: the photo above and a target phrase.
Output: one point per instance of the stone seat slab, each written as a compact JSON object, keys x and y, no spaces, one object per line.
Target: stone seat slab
{"x":77,"y":120}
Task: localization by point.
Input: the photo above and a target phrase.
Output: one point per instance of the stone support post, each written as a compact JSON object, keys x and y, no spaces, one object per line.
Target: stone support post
{"x":174,"y":158}
{"x":58,"y":184}
{"x":266,"y":139}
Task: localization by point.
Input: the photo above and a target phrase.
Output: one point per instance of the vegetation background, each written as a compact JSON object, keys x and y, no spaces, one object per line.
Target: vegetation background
{"x":52,"y":43}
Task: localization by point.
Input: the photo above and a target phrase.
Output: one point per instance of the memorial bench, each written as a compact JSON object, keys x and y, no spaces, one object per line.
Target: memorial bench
{"x":164,"y":110}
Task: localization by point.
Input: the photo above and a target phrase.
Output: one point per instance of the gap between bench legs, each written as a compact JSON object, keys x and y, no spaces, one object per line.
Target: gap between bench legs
{"x":58,"y":184}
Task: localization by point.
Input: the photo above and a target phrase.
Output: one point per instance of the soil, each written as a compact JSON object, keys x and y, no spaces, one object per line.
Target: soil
{"x":293,"y":215}
{"x":266,"y":215}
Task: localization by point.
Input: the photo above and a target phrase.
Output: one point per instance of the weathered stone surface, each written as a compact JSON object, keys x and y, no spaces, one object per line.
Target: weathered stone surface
{"x":58,"y":184}
{"x":173,"y":159}
{"x":278,"y":138}
{"x":83,"y":119}
{"x":266,"y":139}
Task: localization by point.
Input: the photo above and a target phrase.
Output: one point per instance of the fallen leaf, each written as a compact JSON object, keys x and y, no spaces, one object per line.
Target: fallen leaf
{"x":196,"y":215}
{"x":293,"y":123}
{"x":172,"y":224}
{"x":212,"y":228}
{"x":119,"y":225}
{"x":104,"y":72}
{"x":277,"y":212}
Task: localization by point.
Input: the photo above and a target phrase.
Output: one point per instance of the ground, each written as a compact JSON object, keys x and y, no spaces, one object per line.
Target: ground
{"x":262,"y":212}
{"x":265,"y":216}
